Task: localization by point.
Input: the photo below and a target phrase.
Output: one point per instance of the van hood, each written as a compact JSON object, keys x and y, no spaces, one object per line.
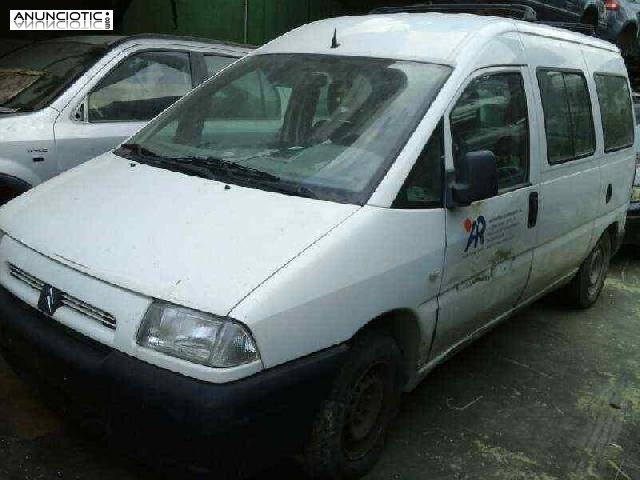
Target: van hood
{"x":179,"y":238}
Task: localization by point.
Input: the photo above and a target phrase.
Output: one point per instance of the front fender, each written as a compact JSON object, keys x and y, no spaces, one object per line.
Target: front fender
{"x":15,"y":170}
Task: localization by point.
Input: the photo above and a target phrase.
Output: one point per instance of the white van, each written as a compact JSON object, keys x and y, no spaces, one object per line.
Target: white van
{"x":67,"y":100}
{"x":272,"y":260}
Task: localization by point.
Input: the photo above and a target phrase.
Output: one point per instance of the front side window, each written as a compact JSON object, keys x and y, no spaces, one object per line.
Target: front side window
{"x":141,"y":87}
{"x":616,"y":111}
{"x":492,"y":115}
{"x":567,"y":115}
{"x":31,"y":77}
{"x":322,"y":126}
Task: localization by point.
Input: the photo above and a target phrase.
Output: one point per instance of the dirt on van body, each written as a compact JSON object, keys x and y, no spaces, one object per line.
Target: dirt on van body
{"x":553,"y":393}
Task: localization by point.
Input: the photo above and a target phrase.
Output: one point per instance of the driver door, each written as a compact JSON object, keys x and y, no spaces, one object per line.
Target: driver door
{"x":490,"y":242}
{"x":126,"y":98}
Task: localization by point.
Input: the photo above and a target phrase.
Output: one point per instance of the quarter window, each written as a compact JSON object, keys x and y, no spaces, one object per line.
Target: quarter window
{"x":215,"y":63}
{"x":141,"y":87}
{"x":567,"y":115}
{"x":616,"y":111}
{"x":423,"y":186}
{"x":491,"y":115}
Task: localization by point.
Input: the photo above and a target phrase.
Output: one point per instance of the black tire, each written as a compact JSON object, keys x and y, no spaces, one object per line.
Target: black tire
{"x":348,"y":434}
{"x":9,"y":192}
{"x":586,"y":286}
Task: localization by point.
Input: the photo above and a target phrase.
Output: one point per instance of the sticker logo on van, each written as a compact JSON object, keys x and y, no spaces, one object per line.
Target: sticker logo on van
{"x":475,"y":229}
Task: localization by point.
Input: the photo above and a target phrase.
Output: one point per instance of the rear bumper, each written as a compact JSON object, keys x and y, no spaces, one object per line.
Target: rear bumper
{"x":162,"y":414}
{"x":632,"y":226}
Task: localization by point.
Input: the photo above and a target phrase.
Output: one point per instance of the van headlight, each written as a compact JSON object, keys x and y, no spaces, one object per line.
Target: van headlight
{"x":197,"y":337}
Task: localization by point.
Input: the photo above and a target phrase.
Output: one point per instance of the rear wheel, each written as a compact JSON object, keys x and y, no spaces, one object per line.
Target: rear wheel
{"x":348,"y":434}
{"x":586,"y":286}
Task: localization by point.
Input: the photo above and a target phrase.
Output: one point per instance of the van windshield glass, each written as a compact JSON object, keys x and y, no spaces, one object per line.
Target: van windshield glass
{"x":32,"y":76}
{"x":322,"y":126}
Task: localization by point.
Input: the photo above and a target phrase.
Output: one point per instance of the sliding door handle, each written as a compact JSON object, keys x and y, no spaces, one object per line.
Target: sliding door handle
{"x":533,"y":209}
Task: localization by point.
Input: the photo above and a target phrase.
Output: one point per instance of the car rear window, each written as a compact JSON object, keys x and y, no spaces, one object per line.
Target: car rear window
{"x":616,"y":111}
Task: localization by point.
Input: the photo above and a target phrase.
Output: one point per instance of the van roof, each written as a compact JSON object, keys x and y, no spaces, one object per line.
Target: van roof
{"x":431,"y":37}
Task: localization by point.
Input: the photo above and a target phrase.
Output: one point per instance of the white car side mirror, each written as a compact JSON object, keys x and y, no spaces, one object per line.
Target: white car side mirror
{"x":80,"y":113}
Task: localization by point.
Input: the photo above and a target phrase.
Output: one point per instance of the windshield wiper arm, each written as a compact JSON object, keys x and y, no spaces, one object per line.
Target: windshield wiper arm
{"x":270,"y":181}
{"x":138,"y":149}
{"x":219,"y":165}
{"x":213,"y":167}
{"x":8,"y":110}
{"x":144,"y":155}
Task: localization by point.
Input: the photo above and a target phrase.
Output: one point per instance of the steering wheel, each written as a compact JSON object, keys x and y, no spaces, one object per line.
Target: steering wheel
{"x":96,"y":113}
{"x":341,"y":134}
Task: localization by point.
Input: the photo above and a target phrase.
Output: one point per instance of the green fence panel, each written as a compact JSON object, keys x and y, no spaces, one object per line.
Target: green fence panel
{"x":225,"y":19}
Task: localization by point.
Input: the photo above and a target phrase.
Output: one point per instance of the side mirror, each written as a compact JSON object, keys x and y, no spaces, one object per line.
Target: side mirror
{"x":476,"y":179}
{"x":80,"y":113}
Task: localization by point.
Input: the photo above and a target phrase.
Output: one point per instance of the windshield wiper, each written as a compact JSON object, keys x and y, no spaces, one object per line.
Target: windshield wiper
{"x":137,"y":152}
{"x":232,"y":169}
{"x":138,"y":149}
{"x":250,"y":175}
{"x":8,"y":110}
{"x":215,"y":168}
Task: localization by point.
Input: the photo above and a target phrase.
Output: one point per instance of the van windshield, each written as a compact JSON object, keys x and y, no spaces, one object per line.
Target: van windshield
{"x":321,"y":126}
{"x":32,"y":76}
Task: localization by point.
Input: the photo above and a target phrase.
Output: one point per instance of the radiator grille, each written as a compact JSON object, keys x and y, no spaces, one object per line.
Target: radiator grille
{"x":74,"y":303}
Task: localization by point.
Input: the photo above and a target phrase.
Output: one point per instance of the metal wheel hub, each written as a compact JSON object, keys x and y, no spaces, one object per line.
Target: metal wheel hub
{"x":596,"y":270}
{"x":364,"y":410}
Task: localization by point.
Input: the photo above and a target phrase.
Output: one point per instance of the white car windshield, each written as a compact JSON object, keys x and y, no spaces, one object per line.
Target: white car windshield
{"x":322,"y":126}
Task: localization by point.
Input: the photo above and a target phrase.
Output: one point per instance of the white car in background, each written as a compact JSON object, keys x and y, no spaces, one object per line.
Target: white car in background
{"x":64,"y":101}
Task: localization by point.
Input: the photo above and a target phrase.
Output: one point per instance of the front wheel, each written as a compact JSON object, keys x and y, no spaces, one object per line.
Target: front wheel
{"x":348,"y":433}
{"x":8,"y":193}
{"x":586,"y":286}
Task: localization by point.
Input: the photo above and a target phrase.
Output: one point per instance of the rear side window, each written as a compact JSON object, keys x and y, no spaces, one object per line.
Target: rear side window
{"x":616,"y":111}
{"x":567,"y":115}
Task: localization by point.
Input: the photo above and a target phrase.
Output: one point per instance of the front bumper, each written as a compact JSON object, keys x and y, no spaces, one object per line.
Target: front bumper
{"x":161,"y":414}
{"x":632,"y":227}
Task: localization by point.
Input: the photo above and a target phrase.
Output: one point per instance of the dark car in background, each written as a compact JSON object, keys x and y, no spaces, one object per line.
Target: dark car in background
{"x":632,"y":230}
{"x":588,"y":12}
{"x":622,"y":25}
{"x":613,"y":20}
